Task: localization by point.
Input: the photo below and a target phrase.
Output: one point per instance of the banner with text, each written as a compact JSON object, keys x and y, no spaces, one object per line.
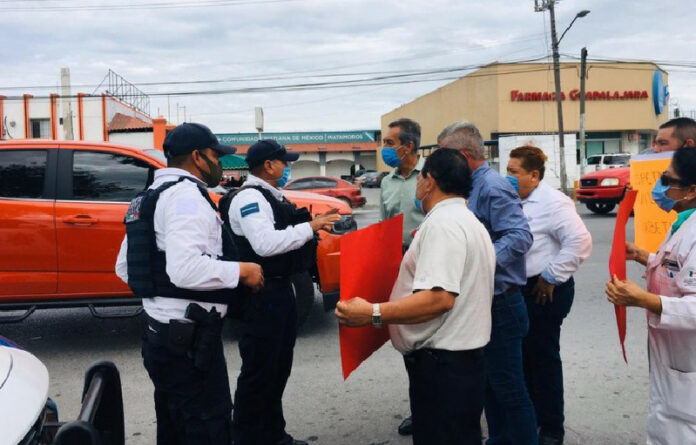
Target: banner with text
{"x":651,"y":223}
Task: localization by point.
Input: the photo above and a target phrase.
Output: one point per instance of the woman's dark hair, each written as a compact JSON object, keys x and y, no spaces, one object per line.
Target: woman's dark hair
{"x":450,"y":170}
{"x":532,"y":158}
{"x":684,"y":163}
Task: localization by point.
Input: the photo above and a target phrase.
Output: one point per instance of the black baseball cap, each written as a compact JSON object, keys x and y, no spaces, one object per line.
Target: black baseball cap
{"x":266,"y":150}
{"x":188,"y":136}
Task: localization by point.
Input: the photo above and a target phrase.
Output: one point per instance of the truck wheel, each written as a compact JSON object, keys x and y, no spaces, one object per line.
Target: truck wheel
{"x":600,"y":207}
{"x":303,"y":288}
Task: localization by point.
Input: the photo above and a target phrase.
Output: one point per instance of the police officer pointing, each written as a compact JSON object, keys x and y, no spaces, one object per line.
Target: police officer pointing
{"x":273,"y":232}
{"x":171,"y":258}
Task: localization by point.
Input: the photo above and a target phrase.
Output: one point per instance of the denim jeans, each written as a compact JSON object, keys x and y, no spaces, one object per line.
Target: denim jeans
{"x":508,"y":407}
{"x":541,"y":349}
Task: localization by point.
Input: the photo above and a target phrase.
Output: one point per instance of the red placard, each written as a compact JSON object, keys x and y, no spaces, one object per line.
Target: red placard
{"x":370,"y":260}
{"x":617,"y":258}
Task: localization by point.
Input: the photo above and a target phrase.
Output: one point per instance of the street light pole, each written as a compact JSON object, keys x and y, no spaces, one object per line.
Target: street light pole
{"x":550,"y":5}
{"x":559,"y":103}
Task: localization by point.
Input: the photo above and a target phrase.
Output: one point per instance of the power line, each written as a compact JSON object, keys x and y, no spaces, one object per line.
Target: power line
{"x":375,"y":81}
{"x":134,"y":6}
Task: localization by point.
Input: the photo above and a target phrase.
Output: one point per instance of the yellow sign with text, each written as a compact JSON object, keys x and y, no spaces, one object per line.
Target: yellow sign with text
{"x":652,"y":224}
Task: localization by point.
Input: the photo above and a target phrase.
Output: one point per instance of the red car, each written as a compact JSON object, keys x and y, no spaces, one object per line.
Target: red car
{"x":602,"y":190}
{"x":329,"y":186}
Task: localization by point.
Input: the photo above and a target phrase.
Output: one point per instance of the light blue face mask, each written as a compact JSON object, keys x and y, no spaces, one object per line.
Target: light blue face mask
{"x":514,"y":182}
{"x":285,"y":178}
{"x":661,"y":199}
{"x":390,"y":157}
{"x":419,"y":204}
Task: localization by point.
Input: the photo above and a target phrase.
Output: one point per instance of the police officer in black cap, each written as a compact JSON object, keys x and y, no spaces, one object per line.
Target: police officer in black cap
{"x":171,"y":257}
{"x":273,"y":232}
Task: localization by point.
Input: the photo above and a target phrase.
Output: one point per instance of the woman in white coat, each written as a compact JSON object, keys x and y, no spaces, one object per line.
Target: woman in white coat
{"x":670,"y":301}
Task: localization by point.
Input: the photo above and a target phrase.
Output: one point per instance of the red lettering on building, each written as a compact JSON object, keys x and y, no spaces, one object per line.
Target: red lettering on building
{"x":574,"y":94}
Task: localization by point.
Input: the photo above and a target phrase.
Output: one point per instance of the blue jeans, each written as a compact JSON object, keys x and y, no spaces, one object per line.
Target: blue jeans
{"x":541,"y":348}
{"x":508,"y":407}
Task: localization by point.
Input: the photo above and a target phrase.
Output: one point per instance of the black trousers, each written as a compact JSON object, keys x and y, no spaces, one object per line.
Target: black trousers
{"x":266,"y":348}
{"x":541,"y":353}
{"x":446,"y":389}
{"x":192,"y":407}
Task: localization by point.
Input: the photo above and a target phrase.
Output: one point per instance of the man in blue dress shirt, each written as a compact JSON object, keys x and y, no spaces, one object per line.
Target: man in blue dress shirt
{"x":494,"y":201}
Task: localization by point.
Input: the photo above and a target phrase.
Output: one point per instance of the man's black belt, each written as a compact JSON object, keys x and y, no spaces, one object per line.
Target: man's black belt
{"x":509,"y":291}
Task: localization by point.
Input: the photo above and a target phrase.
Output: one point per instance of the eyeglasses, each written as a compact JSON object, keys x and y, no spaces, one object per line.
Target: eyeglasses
{"x":668,"y":181}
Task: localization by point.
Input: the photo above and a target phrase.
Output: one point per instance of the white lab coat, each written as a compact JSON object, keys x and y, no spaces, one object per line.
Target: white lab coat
{"x":671,"y":273}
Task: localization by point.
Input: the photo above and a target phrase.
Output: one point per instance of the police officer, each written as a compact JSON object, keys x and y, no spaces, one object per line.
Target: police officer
{"x":171,"y":258}
{"x":272,"y":231}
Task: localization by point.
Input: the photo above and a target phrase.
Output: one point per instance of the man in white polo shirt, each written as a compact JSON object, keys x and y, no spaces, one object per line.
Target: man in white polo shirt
{"x":440,"y":307}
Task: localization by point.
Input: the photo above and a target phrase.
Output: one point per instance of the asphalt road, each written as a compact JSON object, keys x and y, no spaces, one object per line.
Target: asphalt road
{"x":606,"y":399}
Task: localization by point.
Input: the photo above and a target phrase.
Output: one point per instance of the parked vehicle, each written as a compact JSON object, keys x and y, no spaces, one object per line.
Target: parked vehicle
{"x":329,"y":186}
{"x":62,"y":205}
{"x":602,"y":190}
{"x":359,"y":179}
{"x":374,"y":180}
{"x":29,"y":417}
{"x":605,"y":161}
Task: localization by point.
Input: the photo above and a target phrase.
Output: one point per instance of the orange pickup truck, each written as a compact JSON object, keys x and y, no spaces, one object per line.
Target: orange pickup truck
{"x":62,"y":205}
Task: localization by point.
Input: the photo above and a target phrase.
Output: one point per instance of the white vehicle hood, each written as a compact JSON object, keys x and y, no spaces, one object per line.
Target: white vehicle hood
{"x":23,"y":392}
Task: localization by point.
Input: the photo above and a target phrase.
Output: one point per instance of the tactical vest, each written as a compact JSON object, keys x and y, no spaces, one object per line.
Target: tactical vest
{"x":286,"y":214}
{"x":147,"y":265}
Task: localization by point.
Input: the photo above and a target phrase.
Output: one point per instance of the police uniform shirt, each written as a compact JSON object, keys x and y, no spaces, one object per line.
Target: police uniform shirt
{"x":251,"y":216}
{"x":452,"y":251}
{"x":189,"y":231}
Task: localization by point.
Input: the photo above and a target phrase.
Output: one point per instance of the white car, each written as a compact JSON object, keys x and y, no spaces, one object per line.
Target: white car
{"x":29,"y":417}
{"x":604,"y":161}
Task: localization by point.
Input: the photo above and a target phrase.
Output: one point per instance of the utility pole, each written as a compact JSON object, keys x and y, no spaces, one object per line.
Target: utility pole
{"x":583,"y":75}
{"x":550,"y":6}
{"x":559,"y":99}
{"x":65,"y":104}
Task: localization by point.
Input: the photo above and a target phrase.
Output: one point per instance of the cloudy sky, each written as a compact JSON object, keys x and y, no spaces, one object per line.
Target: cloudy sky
{"x":257,"y":52}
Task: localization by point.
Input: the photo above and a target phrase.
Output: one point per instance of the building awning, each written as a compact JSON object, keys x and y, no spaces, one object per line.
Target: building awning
{"x":233,"y":162}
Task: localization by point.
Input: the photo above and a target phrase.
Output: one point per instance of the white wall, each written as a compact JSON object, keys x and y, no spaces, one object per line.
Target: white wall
{"x":338,"y":167}
{"x":92,"y":118}
{"x":302,"y":168}
{"x":549,"y":145}
{"x":40,"y":108}
{"x":14,"y":113}
{"x":341,"y":155}
{"x":141,"y":139}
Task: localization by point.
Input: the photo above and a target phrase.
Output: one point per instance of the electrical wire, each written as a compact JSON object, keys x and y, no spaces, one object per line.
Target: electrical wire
{"x":135,"y":6}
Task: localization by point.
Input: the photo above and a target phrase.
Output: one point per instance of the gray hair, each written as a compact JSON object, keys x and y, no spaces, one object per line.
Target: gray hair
{"x":463,"y":136}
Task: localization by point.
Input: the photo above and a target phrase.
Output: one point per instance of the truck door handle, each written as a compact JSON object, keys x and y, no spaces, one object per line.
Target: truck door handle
{"x":80,"y":219}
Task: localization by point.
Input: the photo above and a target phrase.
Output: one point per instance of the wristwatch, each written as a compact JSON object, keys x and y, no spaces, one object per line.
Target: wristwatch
{"x":376,"y":316}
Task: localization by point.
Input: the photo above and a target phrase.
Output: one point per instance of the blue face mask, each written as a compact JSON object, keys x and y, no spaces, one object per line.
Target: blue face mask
{"x":285,"y":178}
{"x":661,"y":199}
{"x":390,"y":157}
{"x":419,"y":204}
{"x":514,"y":182}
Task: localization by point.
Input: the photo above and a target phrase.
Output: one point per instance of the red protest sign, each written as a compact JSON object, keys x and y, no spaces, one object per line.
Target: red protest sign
{"x":370,"y":260}
{"x":617,"y":259}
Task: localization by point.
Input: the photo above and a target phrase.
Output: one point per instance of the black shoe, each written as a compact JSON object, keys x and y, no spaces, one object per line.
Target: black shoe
{"x":406,"y":427}
{"x":550,"y":440}
{"x":289,"y":440}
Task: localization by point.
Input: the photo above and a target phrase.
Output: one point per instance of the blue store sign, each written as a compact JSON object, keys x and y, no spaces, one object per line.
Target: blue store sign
{"x":660,"y":92}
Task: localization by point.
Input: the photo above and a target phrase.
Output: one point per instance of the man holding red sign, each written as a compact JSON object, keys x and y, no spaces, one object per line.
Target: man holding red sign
{"x":440,"y":307}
